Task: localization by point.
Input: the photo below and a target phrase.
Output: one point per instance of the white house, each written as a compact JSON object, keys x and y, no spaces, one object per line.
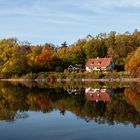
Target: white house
{"x":95,"y":64}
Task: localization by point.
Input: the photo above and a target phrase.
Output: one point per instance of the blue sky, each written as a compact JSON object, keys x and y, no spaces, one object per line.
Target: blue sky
{"x":56,"y":21}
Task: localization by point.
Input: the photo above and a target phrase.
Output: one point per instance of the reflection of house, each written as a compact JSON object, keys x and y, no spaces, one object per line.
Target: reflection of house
{"x":100,"y":64}
{"x":93,"y":90}
{"x":75,"y":91}
{"x":76,"y":68}
{"x":98,"y":94}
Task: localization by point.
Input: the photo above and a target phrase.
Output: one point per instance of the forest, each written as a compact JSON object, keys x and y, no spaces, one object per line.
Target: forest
{"x":20,"y":58}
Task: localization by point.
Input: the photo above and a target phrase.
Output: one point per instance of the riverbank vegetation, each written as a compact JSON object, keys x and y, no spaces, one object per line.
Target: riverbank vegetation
{"x":21,"y":59}
{"x":74,"y":76}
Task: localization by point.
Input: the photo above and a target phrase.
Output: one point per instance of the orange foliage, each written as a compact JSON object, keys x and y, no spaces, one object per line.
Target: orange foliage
{"x":133,"y":65}
{"x":43,"y":102}
{"x":44,"y":59}
{"x":131,"y":97}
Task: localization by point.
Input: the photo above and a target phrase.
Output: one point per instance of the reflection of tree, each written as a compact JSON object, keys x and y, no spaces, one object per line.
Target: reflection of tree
{"x":15,"y":100}
{"x":10,"y":115}
{"x":21,"y":115}
{"x":39,"y":101}
{"x":7,"y":115}
{"x":133,"y":96}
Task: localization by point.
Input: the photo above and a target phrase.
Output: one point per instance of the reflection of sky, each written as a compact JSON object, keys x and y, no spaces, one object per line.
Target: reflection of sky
{"x":41,"y":21}
{"x":54,"y":126}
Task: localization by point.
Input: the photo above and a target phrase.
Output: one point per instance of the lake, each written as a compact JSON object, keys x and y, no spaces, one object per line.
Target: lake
{"x":63,"y":111}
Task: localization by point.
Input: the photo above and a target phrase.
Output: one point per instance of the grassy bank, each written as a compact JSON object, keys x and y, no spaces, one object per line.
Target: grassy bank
{"x":111,"y":76}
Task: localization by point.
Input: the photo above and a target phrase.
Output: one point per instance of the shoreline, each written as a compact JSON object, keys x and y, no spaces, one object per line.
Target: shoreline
{"x":74,"y":80}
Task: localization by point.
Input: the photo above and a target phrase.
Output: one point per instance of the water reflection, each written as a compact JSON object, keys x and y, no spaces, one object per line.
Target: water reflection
{"x":98,"y":94}
{"x":101,"y":104}
{"x":75,"y":90}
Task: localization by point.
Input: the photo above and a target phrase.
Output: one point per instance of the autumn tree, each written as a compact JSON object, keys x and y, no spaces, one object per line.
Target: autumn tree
{"x":95,"y":48}
{"x":12,"y":58}
{"x":44,"y":60}
{"x":35,"y":51}
{"x":133,"y":64}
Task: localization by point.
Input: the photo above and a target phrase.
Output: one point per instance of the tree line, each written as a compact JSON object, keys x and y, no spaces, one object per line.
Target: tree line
{"x":19,"y":58}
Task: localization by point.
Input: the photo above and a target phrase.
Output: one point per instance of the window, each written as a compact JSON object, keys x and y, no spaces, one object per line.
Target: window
{"x":92,"y":63}
{"x":99,"y":62}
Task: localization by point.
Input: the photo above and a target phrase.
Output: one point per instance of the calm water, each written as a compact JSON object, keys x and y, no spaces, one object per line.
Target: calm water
{"x":69,"y":112}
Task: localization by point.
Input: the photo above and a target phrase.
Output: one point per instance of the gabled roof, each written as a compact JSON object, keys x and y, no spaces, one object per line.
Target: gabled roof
{"x":70,"y":66}
{"x":98,"y":62}
{"x":78,"y":66}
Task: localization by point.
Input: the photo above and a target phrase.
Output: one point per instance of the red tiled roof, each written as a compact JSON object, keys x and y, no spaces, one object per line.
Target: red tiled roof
{"x":98,"y":62}
{"x":98,"y":96}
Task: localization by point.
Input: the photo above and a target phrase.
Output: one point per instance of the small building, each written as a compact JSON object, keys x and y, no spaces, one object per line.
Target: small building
{"x":76,"y":68}
{"x":96,"y":64}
